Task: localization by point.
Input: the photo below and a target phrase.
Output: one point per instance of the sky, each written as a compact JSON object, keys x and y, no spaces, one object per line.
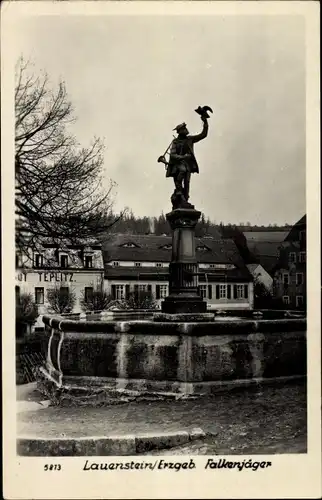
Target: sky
{"x":132,"y":79}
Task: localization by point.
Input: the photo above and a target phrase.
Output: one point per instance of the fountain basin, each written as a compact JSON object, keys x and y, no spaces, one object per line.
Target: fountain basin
{"x":173,"y":358}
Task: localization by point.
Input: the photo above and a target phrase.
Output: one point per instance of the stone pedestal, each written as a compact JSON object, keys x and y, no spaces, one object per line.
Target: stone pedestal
{"x":183,"y":295}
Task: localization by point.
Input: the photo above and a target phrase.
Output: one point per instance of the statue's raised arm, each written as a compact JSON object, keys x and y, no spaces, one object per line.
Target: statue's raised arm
{"x":203,"y":112}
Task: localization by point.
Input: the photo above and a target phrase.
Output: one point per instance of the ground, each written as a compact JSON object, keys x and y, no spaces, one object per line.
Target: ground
{"x":263,"y":421}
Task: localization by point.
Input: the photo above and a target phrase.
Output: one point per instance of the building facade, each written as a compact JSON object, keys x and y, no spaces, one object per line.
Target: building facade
{"x":141,"y":262}
{"x":75,"y":267}
{"x":290,"y":272}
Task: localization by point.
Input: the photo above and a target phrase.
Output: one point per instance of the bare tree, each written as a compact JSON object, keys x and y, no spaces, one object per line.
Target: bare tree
{"x":61,"y":299}
{"x":26,"y":313}
{"x":97,"y":300}
{"x":139,"y":299}
{"x":58,"y":184}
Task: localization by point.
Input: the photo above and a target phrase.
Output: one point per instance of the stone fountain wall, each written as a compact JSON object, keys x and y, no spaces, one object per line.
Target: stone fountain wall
{"x":173,"y":357}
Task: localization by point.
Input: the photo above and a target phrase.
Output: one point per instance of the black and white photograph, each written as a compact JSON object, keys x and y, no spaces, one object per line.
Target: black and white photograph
{"x":160,"y":178}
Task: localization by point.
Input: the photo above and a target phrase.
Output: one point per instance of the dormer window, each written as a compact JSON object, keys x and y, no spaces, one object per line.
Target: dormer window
{"x":88,"y":262}
{"x":202,"y":248}
{"x":129,"y":245}
{"x":63,"y":261}
{"x":38,"y":260}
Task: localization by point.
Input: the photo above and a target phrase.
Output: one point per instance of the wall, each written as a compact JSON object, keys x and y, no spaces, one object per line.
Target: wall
{"x":212,"y":303}
{"x":76,"y":280}
{"x":292,"y":261}
{"x":51,"y":257}
{"x":290,"y":268}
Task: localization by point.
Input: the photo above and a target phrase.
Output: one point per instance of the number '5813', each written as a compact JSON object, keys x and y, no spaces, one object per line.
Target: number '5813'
{"x":52,"y":467}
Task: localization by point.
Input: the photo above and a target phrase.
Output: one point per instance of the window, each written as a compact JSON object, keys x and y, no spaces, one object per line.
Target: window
{"x":203,"y":291}
{"x":115,"y":263}
{"x":226,"y":291}
{"x":119,"y":292}
{"x":299,"y":278}
{"x":302,"y":257}
{"x":64,"y":293}
{"x":158,"y":264}
{"x":302,"y":235}
{"x":240,"y":291}
{"x":38,"y":260}
{"x":299,"y":301}
{"x":286,"y":278}
{"x":18,"y":260}
{"x":161,"y":291}
{"x":137,"y":264}
{"x":88,"y":295}
{"x":292,"y":257}
{"x":212,"y":266}
{"x":286,"y":299}
{"x":64,"y":261}
{"x":142,"y":288}
{"x":88,"y":261}
{"x":39,"y":295}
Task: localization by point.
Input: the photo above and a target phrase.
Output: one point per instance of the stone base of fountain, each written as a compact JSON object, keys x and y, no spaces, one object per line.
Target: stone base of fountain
{"x":184,"y":304}
{"x":102,"y":391}
{"x":101,"y":361}
{"x":184,"y":317}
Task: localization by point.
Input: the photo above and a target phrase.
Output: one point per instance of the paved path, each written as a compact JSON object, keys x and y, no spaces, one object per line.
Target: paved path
{"x":273,"y":421}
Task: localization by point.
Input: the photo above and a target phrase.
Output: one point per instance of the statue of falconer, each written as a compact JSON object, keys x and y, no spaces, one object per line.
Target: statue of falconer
{"x":182,"y":162}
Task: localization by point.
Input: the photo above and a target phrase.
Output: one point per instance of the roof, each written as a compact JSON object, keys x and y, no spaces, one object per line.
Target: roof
{"x":269,"y":264}
{"x":273,"y":236}
{"x":151,"y":248}
{"x":266,"y":252}
{"x":65,"y":242}
{"x":294,"y":232}
{"x":252,"y":267}
{"x":265,"y":248}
